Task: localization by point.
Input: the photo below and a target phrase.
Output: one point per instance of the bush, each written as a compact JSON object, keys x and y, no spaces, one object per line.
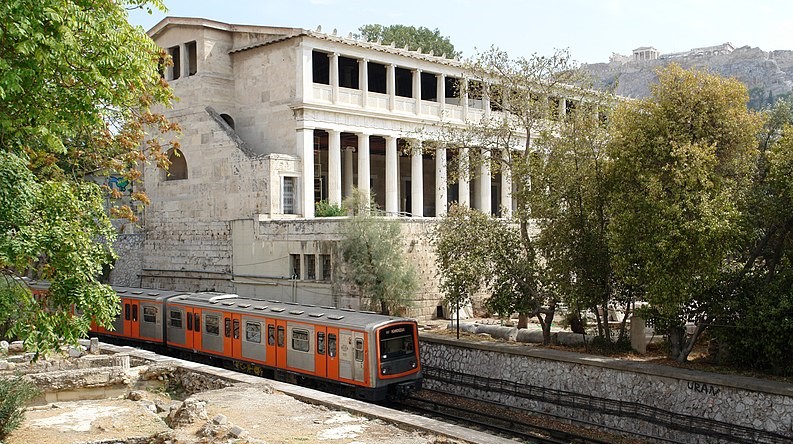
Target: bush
{"x":325,"y":209}
{"x":14,"y":393}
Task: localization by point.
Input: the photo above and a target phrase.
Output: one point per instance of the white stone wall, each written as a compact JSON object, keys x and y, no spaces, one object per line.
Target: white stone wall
{"x":668,"y":397}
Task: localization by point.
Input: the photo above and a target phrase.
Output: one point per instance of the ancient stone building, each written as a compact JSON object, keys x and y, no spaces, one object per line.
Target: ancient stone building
{"x":275,"y":120}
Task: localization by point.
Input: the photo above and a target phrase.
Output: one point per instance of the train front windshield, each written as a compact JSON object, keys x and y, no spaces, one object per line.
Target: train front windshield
{"x":397,"y":342}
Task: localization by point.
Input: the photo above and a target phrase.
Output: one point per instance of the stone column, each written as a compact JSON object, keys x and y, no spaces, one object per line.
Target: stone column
{"x":348,"y":173}
{"x":390,"y":85}
{"x":334,"y":167}
{"x":463,"y":184}
{"x":440,"y":182}
{"x":506,"y":187}
{"x":417,"y":89}
{"x":416,"y":180}
{"x":486,"y":99}
{"x":441,"y":91}
{"x":305,"y":146}
{"x":562,"y":108}
{"x":334,"y":76}
{"x":363,"y":80}
{"x":391,"y":176}
{"x":485,"y":193}
{"x":464,"y":99}
{"x":363,"y":165}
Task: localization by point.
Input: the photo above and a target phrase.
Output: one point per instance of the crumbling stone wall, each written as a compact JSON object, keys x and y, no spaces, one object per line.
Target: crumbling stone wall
{"x":658,"y":401}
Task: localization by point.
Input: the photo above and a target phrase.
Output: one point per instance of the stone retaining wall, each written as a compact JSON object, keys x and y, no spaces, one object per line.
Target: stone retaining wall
{"x":657,"y":401}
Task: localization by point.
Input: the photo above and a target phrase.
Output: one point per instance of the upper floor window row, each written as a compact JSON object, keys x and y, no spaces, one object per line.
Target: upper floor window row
{"x":184,"y":59}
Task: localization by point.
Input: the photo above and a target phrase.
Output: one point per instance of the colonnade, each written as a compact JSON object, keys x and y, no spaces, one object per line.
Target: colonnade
{"x":340,"y":180}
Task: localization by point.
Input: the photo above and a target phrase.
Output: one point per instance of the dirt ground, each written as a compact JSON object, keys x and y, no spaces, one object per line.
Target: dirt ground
{"x":240,"y":414}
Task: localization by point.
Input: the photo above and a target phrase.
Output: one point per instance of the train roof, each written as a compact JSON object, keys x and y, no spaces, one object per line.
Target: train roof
{"x":284,"y":310}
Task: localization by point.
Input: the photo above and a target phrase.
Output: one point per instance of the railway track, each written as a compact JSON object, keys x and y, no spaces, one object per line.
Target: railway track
{"x":490,"y":417}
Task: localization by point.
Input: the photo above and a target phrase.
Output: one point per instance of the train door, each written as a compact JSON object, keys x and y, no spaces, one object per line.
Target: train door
{"x":280,"y":343}
{"x":320,"y":351}
{"x":270,"y":345}
{"x":332,"y":353}
{"x":236,"y":341}
{"x":359,"y":357}
{"x":131,"y":313}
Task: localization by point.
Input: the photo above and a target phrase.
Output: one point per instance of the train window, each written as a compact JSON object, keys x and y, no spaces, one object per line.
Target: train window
{"x":135,"y":312}
{"x":331,"y":345}
{"x":253,"y":332}
{"x":300,"y":340}
{"x":321,"y":343}
{"x":212,"y":325}
{"x":228,"y":328}
{"x":189,"y":321}
{"x":150,"y":314}
{"x":126,"y":312}
{"x":270,"y":334}
{"x":359,"y":350}
{"x":197,"y":321}
{"x":236,"y":329}
{"x":175,"y":319}
{"x":280,"y":336}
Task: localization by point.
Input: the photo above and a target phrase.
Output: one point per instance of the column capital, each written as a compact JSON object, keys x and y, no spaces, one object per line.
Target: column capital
{"x":333,"y":131}
{"x":333,"y":54}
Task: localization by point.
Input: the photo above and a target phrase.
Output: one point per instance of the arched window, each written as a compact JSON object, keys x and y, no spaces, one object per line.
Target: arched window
{"x":227,"y":118}
{"x":178,"y":169}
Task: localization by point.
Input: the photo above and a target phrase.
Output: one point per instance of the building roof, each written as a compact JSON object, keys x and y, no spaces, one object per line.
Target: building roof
{"x":280,"y":34}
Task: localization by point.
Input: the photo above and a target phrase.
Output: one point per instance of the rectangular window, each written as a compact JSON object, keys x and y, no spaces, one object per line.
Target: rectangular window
{"x":236,"y":329}
{"x":189,"y":321}
{"x":311,"y":267}
{"x":288,"y":193}
{"x":175,"y":319}
{"x":176,"y":69}
{"x":359,"y":350}
{"x":294,"y":266}
{"x":127,"y":311}
{"x":227,"y":329}
{"x":150,"y":314}
{"x":300,"y":340}
{"x":325,"y":264}
{"x":253,"y":332}
{"x":281,"y":336}
{"x":321,"y":343}
{"x":192,"y":60}
{"x":212,"y":325}
{"x":331,"y":345}
{"x":270,"y":334}
{"x":135,"y":312}
{"x":320,"y":64}
{"x":197,"y":322}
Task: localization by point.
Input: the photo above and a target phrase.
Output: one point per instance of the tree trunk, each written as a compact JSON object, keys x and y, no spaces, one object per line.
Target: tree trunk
{"x":676,"y":337}
{"x":523,"y":320}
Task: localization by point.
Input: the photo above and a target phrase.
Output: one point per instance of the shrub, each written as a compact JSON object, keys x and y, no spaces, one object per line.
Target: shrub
{"x":14,"y":393}
{"x":325,"y":209}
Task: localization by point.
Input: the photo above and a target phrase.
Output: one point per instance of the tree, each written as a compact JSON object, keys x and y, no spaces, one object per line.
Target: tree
{"x":78,"y":86}
{"x":411,"y":37}
{"x":374,"y":264}
{"x":523,"y":96}
{"x":681,"y":158}
{"x":570,"y":202}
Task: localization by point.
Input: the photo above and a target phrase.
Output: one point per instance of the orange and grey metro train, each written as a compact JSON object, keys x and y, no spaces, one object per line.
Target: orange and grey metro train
{"x":368,"y":355}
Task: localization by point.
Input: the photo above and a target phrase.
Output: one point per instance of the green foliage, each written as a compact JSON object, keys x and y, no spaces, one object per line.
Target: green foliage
{"x":14,"y":393}
{"x":414,"y":38}
{"x":325,"y":209}
{"x":680,"y":161}
{"x":374,"y":262}
{"x":78,"y":85}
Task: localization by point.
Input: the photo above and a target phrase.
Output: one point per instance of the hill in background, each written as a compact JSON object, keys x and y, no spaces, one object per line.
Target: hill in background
{"x":767,"y":75}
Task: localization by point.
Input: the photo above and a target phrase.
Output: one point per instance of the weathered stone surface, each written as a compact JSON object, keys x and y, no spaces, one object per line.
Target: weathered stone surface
{"x":219,"y":419}
{"x":80,"y":378}
{"x":16,"y":347}
{"x":4,"y":347}
{"x":675,"y":391}
{"x":237,"y":432}
{"x":135,"y":395}
{"x":192,"y":410}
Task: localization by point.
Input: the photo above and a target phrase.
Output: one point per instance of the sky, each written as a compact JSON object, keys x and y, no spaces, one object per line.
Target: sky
{"x":590,"y":29}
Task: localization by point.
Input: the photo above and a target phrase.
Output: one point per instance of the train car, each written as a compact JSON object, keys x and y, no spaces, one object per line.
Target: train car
{"x":363,"y":354}
{"x":141,"y":316}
